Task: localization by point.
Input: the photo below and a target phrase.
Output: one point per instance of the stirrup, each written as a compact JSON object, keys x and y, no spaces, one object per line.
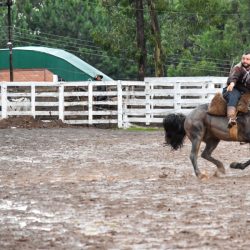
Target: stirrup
{"x":232,"y":122}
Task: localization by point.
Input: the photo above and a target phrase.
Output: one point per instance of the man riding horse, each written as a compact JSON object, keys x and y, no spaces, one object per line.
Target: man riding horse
{"x":238,"y":83}
{"x":202,"y":125}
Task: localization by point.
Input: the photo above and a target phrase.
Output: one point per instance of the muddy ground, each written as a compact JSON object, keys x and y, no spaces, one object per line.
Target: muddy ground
{"x":89,"y":188}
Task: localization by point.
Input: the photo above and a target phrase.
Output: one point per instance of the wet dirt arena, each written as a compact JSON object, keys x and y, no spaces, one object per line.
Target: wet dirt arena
{"x":89,"y":188}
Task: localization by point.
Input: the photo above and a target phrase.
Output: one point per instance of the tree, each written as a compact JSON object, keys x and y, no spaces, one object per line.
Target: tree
{"x":128,"y":39}
{"x":158,"y":51}
{"x":207,"y":36}
{"x":141,"y":44}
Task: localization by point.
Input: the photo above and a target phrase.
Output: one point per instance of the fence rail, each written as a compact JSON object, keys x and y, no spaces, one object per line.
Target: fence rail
{"x":124,"y":102}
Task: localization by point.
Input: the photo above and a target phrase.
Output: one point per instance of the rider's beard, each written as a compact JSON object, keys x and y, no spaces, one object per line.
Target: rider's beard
{"x":245,"y":65}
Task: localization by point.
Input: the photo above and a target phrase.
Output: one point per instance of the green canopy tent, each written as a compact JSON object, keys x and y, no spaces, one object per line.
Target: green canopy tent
{"x":64,"y":64}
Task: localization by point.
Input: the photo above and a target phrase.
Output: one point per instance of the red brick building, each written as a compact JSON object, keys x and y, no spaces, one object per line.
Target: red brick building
{"x":27,"y":75}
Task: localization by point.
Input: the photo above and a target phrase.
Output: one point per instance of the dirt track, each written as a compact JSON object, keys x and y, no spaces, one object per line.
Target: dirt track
{"x":80,"y":188}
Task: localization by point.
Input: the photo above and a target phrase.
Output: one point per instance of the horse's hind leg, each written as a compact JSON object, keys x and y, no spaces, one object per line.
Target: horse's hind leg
{"x":211,"y":144}
{"x":238,"y":165}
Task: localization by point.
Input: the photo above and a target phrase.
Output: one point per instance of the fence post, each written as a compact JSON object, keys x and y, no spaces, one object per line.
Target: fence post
{"x":124,"y":108}
{"x":90,"y":103}
{"x":177,"y":97}
{"x":33,"y":100}
{"x":152,"y":101}
{"x":211,"y":91}
{"x":61,"y":102}
{"x":147,"y":104}
{"x":4,"y":100}
{"x":119,"y":104}
{"x":205,"y":86}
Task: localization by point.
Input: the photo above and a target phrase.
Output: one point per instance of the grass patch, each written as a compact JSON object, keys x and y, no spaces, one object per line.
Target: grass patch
{"x":137,"y":128}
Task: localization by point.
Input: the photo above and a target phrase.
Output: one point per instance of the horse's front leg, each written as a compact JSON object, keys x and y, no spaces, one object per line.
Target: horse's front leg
{"x":193,"y":157}
{"x":237,"y":165}
{"x":211,"y":144}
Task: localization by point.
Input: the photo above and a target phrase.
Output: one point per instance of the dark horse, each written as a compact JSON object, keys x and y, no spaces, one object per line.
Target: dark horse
{"x":199,"y":126}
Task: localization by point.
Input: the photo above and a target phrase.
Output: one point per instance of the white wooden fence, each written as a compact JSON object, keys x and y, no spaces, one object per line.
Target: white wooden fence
{"x":127,"y":102}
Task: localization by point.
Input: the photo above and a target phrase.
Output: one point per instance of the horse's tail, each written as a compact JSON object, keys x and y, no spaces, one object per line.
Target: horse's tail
{"x":174,"y":130}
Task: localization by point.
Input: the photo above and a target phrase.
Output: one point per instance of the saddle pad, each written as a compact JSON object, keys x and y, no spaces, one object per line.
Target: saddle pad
{"x":233,"y":132}
{"x":244,"y":103}
{"x":218,"y":105}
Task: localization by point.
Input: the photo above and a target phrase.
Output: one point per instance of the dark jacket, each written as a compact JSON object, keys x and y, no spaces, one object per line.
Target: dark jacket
{"x":238,"y":76}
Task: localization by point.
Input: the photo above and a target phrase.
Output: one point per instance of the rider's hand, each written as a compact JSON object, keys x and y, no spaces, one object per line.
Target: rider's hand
{"x":230,"y":86}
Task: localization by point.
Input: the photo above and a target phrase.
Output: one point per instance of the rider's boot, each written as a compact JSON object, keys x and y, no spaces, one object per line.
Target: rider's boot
{"x":231,"y":115}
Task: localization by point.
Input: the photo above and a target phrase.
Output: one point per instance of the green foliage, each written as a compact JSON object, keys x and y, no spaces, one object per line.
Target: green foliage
{"x":143,"y":129}
{"x":199,"y":37}
{"x":214,"y":34}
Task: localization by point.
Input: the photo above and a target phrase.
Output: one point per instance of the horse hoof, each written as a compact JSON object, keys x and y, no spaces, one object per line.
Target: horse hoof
{"x":221,"y":170}
{"x":203,"y":177}
{"x":236,"y":165}
{"x":218,"y":173}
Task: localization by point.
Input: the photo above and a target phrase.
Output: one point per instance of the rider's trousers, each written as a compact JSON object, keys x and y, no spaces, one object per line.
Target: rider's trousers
{"x":232,"y":97}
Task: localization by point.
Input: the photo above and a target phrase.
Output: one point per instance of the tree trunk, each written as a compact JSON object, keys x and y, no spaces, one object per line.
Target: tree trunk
{"x":141,"y":43}
{"x":158,"y":51}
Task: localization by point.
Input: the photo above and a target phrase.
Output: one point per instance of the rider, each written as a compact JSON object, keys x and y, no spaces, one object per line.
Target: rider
{"x":237,"y":84}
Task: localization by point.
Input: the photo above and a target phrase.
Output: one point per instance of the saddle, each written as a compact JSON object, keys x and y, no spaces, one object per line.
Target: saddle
{"x":218,"y":105}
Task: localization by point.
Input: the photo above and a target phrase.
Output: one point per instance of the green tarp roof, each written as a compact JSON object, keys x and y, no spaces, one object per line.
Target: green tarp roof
{"x":64,"y":64}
